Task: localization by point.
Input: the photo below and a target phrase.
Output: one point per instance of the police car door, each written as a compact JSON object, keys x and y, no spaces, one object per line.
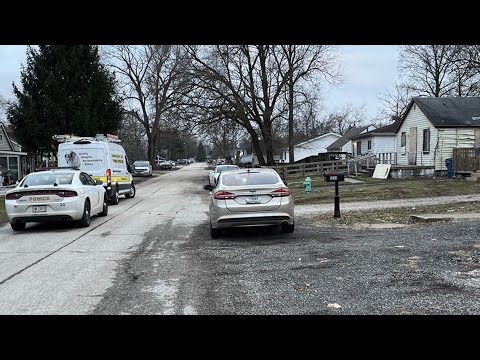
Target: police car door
{"x":92,"y":191}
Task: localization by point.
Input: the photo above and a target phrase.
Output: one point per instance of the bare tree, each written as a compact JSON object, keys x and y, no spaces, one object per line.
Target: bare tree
{"x":242,"y":83}
{"x":466,"y":69}
{"x":154,"y":84}
{"x":395,"y":102}
{"x":434,"y":70}
{"x":224,"y":136}
{"x":3,"y":107}
{"x":132,"y":134}
{"x":303,"y":63}
{"x":343,"y":119}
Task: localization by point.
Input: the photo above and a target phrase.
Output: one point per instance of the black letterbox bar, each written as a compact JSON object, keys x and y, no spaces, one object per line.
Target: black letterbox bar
{"x":334,"y":176}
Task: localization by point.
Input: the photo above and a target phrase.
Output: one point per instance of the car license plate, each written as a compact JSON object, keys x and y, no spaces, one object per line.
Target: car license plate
{"x":40,"y":209}
{"x":253,"y":200}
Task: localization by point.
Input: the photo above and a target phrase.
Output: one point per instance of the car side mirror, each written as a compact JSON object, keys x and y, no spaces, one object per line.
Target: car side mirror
{"x":286,"y":183}
{"x":98,"y":182}
{"x":208,"y":187}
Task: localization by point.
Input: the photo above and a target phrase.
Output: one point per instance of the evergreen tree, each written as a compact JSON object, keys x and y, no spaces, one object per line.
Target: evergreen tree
{"x":201,"y":153}
{"x":65,"y":90}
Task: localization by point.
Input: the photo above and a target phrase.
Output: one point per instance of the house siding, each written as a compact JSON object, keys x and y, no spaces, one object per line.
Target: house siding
{"x":416,"y":118}
{"x":3,"y":142}
{"x":313,"y":147}
{"x":383,"y":144}
{"x":448,"y":139}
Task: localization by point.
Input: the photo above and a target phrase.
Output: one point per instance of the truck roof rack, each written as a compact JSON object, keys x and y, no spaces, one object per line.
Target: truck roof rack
{"x":85,"y":139}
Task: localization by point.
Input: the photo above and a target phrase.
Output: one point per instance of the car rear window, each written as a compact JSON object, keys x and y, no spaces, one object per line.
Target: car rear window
{"x":249,"y":178}
{"x":224,"y":168}
{"x":38,"y":179}
{"x":141,"y":163}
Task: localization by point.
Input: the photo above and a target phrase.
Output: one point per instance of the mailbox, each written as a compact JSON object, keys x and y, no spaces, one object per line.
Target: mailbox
{"x":334,"y":176}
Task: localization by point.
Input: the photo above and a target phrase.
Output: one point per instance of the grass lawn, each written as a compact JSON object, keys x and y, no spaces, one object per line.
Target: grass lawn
{"x":396,"y":215}
{"x":377,"y":189}
{"x":3,"y":215}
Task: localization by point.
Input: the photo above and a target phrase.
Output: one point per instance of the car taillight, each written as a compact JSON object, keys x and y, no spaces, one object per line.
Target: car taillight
{"x":13,"y":196}
{"x":67,"y":193}
{"x":223,"y":195}
{"x":280,"y":192}
{"x":109,"y":177}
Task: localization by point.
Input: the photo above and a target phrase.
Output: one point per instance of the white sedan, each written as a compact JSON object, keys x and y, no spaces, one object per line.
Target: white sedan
{"x":142,"y":168}
{"x":215,"y":173}
{"x":55,"y":195}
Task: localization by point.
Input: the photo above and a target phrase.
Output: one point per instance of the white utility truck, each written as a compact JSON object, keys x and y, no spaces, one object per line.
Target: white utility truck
{"x":103,"y":158}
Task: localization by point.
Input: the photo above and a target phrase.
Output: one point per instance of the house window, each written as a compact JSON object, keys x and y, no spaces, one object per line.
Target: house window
{"x":403,"y":143}
{"x":426,"y":141}
{"x":369,"y":145}
{"x":1,"y":137}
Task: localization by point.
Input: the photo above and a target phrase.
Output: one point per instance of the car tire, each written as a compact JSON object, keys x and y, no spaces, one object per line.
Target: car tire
{"x":85,"y":220}
{"x":105,"y":207}
{"x":214,"y":233}
{"x":287,"y":228}
{"x":18,"y":226}
{"x":115,"y":198}
{"x":132,"y":192}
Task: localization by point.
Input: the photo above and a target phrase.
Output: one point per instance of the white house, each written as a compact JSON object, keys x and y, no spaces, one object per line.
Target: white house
{"x":12,"y":159}
{"x":380,"y":142}
{"x":344,"y":144}
{"x":432,"y":127}
{"x":311,"y":147}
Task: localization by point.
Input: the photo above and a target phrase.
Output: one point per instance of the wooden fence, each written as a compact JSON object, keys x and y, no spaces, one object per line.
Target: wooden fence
{"x":313,"y":168}
{"x":466,"y":159}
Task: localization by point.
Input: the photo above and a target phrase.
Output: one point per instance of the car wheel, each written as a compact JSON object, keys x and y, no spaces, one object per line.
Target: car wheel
{"x":85,"y":220}
{"x":214,"y":233}
{"x":287,"y":228}
{"x":105,"y":207}
{"x":18,"y":226}
{"x":132,"y":192}
{"x":114,"y":199}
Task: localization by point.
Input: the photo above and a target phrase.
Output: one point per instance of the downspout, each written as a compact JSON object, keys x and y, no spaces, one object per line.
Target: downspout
{"x":435,"y":153}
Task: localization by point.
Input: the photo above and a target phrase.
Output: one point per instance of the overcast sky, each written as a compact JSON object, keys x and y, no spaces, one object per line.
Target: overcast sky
{"x":368,"y":71}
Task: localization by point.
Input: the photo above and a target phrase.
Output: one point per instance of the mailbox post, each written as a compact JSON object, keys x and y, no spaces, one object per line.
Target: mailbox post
{"x":335,"y":176}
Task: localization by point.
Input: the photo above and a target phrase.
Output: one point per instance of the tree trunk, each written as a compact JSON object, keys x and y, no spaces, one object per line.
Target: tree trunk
{"x":258,"y":149}
{"x":291,"y":152}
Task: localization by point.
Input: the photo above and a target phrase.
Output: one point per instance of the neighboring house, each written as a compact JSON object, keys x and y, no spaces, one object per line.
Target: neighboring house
{"x":311,"y":147}
{"x":344,"y":144}
{"x":379,"y":142}
{"x":432,"y":127}
{"x":12,"y":159}
{"x":251,"y":160}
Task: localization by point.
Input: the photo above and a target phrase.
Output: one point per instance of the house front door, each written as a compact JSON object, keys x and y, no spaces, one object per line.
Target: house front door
{"x":412,"y":154}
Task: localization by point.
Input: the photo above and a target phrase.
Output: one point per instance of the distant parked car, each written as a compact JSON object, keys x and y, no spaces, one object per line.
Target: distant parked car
{"x":182,"y":162}
{"x":250,"y":197}
{"x":142,"y":168}
{"x":215,"y":173}
{"x":55,"y":195}
{"x":165,"y":165}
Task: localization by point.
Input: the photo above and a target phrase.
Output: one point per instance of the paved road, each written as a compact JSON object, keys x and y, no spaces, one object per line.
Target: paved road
{"x":153,"y":255}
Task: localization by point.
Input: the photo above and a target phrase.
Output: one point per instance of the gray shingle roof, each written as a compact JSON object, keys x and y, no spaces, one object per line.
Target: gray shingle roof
{"x":337,"y":144}
{"x":450,"y":111}
{"x":383,"y":131}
